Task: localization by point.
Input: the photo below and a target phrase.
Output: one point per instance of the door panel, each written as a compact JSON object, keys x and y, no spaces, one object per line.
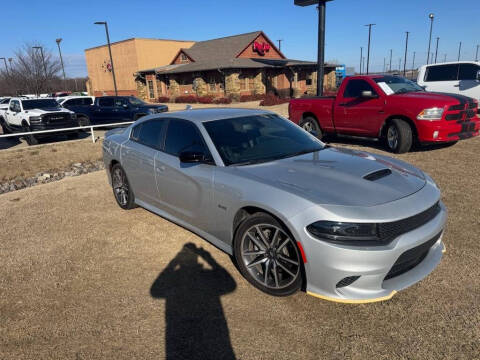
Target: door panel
{"x":139,"y":163}
{"x":185,"y":190}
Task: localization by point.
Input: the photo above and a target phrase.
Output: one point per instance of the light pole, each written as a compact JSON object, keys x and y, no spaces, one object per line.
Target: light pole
{"x":436,"y":50}
{"x":459,"y":50}
{"x":384,"y":64}
{"x":390,"y":66}
{"x":476,"y":54}
{"x":406,"y":49}
{"x":110,"y":52}
{"x":431,"y":16}
{"x":413,"y":63}
{"x":369,"y":37}
{"x":361,"y":59}
{"x":58,"y":41}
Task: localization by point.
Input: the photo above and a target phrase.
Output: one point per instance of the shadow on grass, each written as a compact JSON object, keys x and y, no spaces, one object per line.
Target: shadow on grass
{"x":196,"y":327}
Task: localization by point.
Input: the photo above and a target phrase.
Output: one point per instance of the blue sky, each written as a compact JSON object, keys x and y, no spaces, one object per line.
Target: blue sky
{"x":45,"y":20}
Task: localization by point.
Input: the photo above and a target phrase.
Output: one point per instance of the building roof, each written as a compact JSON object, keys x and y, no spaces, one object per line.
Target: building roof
{"x":237,"y":63}
{"x":136,"y":38}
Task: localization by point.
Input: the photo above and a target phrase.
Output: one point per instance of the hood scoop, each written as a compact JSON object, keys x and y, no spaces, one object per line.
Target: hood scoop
{"x":376,"y":175}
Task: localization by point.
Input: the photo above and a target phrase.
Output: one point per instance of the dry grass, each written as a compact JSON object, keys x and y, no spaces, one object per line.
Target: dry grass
{"x":82,"y":279}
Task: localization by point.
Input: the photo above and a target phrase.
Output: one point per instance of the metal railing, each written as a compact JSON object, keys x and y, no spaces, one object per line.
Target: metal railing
{"x":91,"y":127}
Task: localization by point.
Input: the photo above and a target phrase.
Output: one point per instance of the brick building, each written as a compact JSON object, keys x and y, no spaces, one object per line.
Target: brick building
{"x":129,"y":56}
{"x":232,"y":66}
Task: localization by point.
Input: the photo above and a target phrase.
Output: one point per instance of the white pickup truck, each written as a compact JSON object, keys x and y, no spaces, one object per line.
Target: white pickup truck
{"x":26,"y":115}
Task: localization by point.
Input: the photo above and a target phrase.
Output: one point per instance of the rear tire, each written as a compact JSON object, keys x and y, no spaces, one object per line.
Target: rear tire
{"x":399,"y":136}
{"x":121,"y":188}
{"x":83,"y":121}
{"x":5,"y":129}
{"x":267,"y":255}
{"x":310,"y":124}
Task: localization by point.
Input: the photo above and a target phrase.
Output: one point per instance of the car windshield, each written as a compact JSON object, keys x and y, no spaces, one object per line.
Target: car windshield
{"x":397,"y":85}
{"x":5,"y":101}
{"x":260,"y":138}
{"x":40,"y":104}
{"x":135,"y":101}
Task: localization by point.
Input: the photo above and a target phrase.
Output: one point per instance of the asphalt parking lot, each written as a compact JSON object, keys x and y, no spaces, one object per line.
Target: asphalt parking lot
{"x":83,"y":279}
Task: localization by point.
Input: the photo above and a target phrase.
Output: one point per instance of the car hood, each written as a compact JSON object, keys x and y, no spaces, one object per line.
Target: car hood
{"x":47,"y":111}
{"x":433,"y":96}
{"x":336,"y":176}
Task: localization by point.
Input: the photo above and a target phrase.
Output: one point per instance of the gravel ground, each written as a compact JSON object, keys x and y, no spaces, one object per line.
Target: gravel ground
{"x":83,"y":279}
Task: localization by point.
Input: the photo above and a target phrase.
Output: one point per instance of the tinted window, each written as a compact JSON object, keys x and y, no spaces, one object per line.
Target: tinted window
{"x":39,"y":104}
{"x":105,"y":101}
{"x":87,"y":101}
{"x":119,"y":102}
{"x":72,"y":102}
{"x":183,"y":136}
{"x":468,"y":71}
{"x":15,"y":105}
{"x":150,"y":133}
{"x":259,"y":138}
{"x":355,"y":87}
{"x":442,"y":73}
{"x":5,"y":101}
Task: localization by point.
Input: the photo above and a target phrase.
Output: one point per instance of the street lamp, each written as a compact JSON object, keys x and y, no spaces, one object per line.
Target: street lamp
{"x":476,"y":54}
{"x":390,"y":66}
{"x":431,"y":16}
{"x":361,"y":59}
{"x":459,"y":50}
{"x":110,"y":52}
{"x":436,"y":50}
{"x":58,"y":41}
{"x":321,"y":38}
{"x":368,"y":51}
{"x":406,"y":49}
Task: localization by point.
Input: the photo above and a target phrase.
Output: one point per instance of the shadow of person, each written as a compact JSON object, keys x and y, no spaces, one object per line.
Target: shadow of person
{"x":196,"y":327}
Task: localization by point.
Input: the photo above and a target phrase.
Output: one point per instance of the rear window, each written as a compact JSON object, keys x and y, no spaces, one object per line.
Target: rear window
{"x":442,"y":73}
{"x":468,"y":71}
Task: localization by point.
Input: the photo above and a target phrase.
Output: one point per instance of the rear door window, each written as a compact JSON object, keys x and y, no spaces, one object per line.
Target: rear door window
{"x":105,"y":102}
{"x":119,"y":102}
{"x":182,"y":136}
{"x":468,"y":71}
{"x":442,"y":73}
{"x":355,"y":87}
{"x":150,"y":133}
{"x":87,"y":101}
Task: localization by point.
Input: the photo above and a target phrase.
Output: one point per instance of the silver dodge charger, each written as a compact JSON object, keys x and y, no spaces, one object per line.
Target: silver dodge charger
{"x":293,"y":213}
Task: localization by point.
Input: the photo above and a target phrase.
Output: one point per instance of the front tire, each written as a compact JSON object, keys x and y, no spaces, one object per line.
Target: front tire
{"x":30,"y":139}
{"x":267,"y":255}
{"x":310,"y":124}
{"x":121,"y":188}
{"x":5,"y":129}
{"x":399,"y":136}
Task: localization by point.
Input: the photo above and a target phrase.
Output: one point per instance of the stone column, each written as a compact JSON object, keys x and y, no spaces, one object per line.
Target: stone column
{"x":258,"y":85}
{"x":232,"y":86}
{"x":174,"y":87}
{"x":200,"y":86}
{"x":141,"y":89}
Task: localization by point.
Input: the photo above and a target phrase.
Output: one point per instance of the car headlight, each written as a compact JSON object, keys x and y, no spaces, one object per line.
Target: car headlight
{"x":35,"y":119}
{"x":345,"y":233}
{"x":431,"y":114}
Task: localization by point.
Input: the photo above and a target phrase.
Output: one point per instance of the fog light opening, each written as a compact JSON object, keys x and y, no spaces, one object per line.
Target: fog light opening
{"x":435,"y":134}
{"x":347,"y":281}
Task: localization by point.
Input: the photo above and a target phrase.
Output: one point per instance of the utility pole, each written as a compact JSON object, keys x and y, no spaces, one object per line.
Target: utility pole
{"x":476,"y":54}
{"x":58,"y":41}
{"x":384,"y":64}
{"x":361,"y":59}
{"x":413,"y":63}
{"x":110,"y":52}
{"x":459,"y":50}
{"x":280,"y":44}
{"x":363,"y":71}
{"x":369,"y":37}
{"x":431,"y":16}
{"x":406,"y":49}
{"x":390,"y":67}
{"x":436,"y":50}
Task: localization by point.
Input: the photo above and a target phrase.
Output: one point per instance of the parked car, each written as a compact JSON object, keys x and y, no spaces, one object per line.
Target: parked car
{"x":390,"y":108}
{"x":454,"y":77}
{"x":113,"y":109}
{"x":27,"y":115}
{"x":348,"y":225}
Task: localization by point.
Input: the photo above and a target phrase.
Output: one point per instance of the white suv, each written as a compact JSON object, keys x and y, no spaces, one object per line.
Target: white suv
{"x":454,"y":77}
{"x":26,"y":115}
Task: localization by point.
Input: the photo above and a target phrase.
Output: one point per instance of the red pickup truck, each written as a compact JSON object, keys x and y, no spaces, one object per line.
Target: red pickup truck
{"x":390,"y":108}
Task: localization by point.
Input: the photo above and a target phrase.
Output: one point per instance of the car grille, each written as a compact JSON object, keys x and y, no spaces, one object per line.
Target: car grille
{"x":56,"y":118}
{"x":347,"y":281}
{"x":391,"y":230}
{"x":411,"y":258}
{"x":462,"y":112}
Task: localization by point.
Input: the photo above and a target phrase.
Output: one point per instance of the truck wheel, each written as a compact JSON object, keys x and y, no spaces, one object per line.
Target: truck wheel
{"x":83,"y":121}
{"x":399,"y":137}
{"x":310,"y":124}
{"x":30,"y":139}
{"x":5,"y":129}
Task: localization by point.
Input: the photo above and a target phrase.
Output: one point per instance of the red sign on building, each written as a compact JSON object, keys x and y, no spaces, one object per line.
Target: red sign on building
{"x":261,"y":48}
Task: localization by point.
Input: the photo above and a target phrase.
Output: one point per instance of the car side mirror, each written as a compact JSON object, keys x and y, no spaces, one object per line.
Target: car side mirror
{"x":192,"y":157}
{"x":367,"y":94}
{"x":125,"y":106}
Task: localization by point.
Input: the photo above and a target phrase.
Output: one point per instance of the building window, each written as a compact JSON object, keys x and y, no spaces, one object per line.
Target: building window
{"x":151,"y":92}
{"x":309,"y":80}
{"x":183,"y":57}
{"x":212,"y":84}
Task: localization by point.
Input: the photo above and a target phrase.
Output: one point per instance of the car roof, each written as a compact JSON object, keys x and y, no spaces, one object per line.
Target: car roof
{"x":210,"y":114}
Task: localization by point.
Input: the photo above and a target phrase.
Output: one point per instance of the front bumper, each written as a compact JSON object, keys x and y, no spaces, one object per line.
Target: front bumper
{"x":39,"y":126}
{"x":327,"y":264}
{"x":448,"y":131}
